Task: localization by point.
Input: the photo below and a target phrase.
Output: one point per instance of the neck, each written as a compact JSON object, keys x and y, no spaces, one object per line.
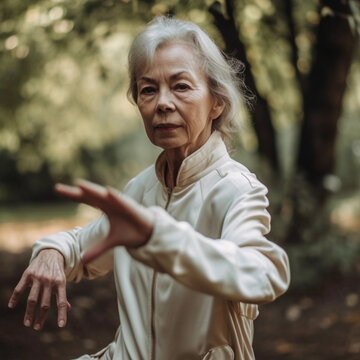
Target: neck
{"x":175,"y":157}
{"x":173,"y":163}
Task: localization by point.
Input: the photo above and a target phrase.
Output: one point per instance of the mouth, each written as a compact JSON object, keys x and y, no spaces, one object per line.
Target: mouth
{"x":166,"y":127}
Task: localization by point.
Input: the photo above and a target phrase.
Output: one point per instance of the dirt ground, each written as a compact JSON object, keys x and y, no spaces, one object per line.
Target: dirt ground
{"x":323,"y":324}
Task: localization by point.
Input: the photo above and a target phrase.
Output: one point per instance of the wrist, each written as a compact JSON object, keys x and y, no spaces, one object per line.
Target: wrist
{"x":52,"y":252}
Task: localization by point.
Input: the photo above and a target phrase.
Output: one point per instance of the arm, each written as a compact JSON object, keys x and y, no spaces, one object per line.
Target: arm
{"x":73,"y":244}
{"x":130,"y":224}
{"x":55,"y":259}
{"x":241,"y":265}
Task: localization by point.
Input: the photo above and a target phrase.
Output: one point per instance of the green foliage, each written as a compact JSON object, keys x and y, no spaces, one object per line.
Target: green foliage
{"x":331,"y":252}
{"x":315,"y":233}
{"x":63,"y":76}
{"x":63,"y":82}
{"x":63,"y":85}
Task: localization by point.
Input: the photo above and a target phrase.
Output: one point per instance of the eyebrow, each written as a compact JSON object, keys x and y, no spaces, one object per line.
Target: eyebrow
{"x":172,"y":77}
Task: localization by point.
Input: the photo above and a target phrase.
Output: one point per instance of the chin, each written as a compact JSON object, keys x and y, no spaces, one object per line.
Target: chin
{"x":168,"y":144}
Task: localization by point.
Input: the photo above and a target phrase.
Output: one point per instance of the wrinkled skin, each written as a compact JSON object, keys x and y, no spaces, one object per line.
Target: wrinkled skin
{"x":45,"y":276}
{"x":131,"y":225}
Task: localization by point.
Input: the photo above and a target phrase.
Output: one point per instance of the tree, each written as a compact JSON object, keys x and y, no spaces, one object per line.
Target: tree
{"x":321,"y":89}
{"x":51,"y":50}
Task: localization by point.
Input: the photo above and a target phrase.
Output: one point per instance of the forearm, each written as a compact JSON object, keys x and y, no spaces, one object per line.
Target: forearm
{"x":255,"y":271}
{"x":73,"y":244}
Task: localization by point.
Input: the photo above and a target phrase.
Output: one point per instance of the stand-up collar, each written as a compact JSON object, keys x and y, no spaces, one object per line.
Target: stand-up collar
{"x":197,"y":164}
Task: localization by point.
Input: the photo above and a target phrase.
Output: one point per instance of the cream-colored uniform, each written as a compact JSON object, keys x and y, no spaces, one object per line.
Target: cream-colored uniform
{"x":192,"y":291}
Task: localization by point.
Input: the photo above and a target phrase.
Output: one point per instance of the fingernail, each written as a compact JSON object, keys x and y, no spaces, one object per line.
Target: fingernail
{"x":27,"y":323}
{"x":37,"y":327}
{"x":61,"y":323}
{"x":11,"y":305}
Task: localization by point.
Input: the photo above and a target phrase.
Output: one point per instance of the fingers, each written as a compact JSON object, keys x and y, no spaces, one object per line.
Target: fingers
{"x":44,"y":309}
{"x":125,"y":207}
{"x":119,"y":200}
{"x":140,"y":217}
{"x":19,"y":289}
{"x":95,"y":195}
{"x":91,"y":187}
{"x":31,"y":303}
{"x":70,"y":192}
{"x":84,"y":191}
{"x":62,"y":305}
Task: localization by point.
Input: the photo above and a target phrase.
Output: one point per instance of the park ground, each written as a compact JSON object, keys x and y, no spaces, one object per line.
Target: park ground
{"x":321,"y":323}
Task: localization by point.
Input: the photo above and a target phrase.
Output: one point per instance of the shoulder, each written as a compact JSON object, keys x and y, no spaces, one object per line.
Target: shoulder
{"x":231,"y":190}
{"x":233,"y":179}
{"x":141,"y":183}
{"x":232,"y":185}
{"x":239,"y":176}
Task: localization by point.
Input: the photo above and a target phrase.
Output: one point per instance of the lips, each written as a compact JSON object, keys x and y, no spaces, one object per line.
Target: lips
{"x":166,"y":126}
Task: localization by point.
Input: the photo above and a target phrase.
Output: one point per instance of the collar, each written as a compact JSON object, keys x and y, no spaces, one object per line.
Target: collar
{"x":197,"y":164}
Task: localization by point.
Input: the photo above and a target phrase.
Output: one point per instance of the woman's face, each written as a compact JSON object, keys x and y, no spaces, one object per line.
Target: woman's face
{"x":174,"y":100}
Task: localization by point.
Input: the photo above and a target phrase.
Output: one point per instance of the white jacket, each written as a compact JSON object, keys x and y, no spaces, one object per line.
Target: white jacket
{"x":192,"y":291}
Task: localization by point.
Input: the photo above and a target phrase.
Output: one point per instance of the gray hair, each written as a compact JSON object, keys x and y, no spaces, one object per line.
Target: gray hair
{"x":222,"y":72}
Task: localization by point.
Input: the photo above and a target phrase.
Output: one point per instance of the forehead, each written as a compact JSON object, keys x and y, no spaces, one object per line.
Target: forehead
{"x":178,"y":57}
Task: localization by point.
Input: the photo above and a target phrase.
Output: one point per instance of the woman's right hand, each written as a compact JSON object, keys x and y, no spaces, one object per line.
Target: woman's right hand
{"x":45,"y":276}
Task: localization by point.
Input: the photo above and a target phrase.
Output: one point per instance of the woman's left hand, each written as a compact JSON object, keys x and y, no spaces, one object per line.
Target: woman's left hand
{"x":131,"y":224}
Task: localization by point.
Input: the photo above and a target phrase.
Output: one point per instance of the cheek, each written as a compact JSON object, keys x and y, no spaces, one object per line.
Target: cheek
{"x":144,"y":110}
{"x":149,"y":131}
{"x":147,"y":124}
{"x":146,"y":118}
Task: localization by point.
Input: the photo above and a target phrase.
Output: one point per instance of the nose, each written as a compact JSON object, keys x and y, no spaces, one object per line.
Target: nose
{"x":165,"y":103}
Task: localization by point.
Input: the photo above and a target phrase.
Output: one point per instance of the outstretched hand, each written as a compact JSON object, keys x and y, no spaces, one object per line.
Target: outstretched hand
{"x":131,"y":224}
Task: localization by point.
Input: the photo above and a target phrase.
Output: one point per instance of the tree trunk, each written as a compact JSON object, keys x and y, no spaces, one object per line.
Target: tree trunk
{"x":324,"y":94}
{"x":260,"y":115}
{"x":323,"y":98}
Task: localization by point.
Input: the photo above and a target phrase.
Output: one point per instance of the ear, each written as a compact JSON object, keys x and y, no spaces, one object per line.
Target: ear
{"x":217,"y":109}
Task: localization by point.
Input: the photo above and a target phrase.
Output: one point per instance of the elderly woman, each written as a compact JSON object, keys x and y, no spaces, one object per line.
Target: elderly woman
{"x":186,"y":237}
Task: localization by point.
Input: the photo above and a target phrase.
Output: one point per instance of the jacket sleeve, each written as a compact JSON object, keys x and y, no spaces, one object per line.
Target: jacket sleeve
{"x":242,"y":265}
{"x":73,"y":244}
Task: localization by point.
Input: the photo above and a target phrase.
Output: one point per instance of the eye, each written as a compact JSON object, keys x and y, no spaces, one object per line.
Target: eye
{"x":147,"y":90}
{"x":182,"y":87}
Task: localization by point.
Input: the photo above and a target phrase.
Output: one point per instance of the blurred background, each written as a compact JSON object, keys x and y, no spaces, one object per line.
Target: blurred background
{"x":64,"y":115}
